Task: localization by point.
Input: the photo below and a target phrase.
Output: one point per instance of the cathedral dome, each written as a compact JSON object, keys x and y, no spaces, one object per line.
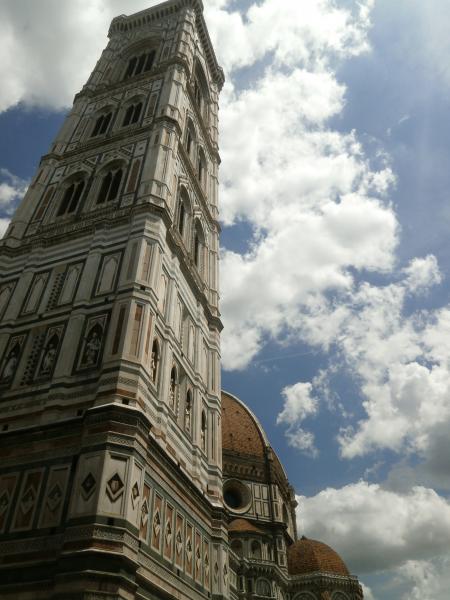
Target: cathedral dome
{"x":241,"y":430}
{"x":310,"y":556}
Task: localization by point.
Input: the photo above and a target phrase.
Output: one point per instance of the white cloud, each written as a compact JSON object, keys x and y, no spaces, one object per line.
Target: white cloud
{"x":422,"y":273}
{"x":298,"y":405}
{"x":3,"y":226}
{"x":375,"y":529}
{"x":49,"y":48}
{"x":12,"y":190}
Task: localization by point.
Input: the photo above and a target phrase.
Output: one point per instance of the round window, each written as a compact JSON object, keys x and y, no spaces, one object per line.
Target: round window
{"x":236,"y":495}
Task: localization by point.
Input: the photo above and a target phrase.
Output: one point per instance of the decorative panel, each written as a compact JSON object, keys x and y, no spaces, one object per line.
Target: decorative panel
{"x":11,"y":358}
{"x":7,"y":488}
{"x":198,"y":557}
{"x":86,"y":488}
{"x":157,"y":522}
{"x":92,"y":342}
{"x":189,"y":550}
{"x":50,"y":352}
{"x":179,"y":540}
{"x":108,"y":274}
{"x":35,"y":292}
{"x":206,"y":564}
{"x":28,"y":500}
{"x":71,"y":279}
{"x":168,"y":533}
{"x":6,"y":291}
{"x":144,"y":512}
{"x":54,"y":496}
{"x":113,"y":494}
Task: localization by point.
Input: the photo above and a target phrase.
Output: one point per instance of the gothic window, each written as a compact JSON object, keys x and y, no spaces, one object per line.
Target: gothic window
{"x":71,"y":198}
{"x":256,"y":549}
{"x":188,"y":412}
{"x":236,"y":546}
{"x":190,"y":137}
{"x":140,"y":64}
{"x":201,"y":93}
{"x":199,"y":245}
{"x":109,"y":189}
{"x":201,"y":167}
{"x":70,"y":282}
{"x":155,"y":360}
{"x":132,"y":114}
{"x":102,"y":124}
{"x":203,"y":436}
{"x":263,"y":588}
{"x":35,"y":294}
{"x":181,"y":218}
{"x":183,"y":213}
{"x":173,"y":390}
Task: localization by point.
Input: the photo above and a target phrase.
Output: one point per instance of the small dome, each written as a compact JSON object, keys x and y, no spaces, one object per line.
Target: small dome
{"x":241,"y":431}
{"x":309,"y":556}
{"x":243,"y":526}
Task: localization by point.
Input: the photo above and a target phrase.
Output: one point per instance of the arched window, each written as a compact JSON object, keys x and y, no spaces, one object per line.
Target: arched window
{"x":140,"y":64}
{"x":201,"y":93}
{"x":102,"y":124}
{"x":201,"y":167}
{"x":203,"y":437}
{"x":183,"y":211}
{"x":263,"y":588}
{"x":181,"y":218}
{"x":109,"y":189}
{"x":132,"y":114}
{"x":255,"y":549}
{"x":190,"y":137}
{"x":199,"y":246}
{"x":236,"y":546}
{"x":71,"y":198}
{"x":154,"y":361}
{"x":173,"y":390}
{"x":188,"y":412}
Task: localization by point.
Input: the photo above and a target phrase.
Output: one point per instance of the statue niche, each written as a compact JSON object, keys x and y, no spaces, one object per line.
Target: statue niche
{"x":93,"y":343}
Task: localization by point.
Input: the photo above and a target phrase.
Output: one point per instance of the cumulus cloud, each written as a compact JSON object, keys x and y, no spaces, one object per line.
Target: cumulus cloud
{"x":298,"y":405}
{"x":12,"y":190}
{"x":46,"y":65}
{"x":375,"y":529}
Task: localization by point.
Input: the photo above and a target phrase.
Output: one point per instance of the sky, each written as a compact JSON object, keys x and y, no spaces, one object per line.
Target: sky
{"x":335,"y":179}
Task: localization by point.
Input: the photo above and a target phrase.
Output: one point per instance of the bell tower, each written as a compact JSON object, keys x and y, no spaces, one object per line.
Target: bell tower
{"x":110,"y":432}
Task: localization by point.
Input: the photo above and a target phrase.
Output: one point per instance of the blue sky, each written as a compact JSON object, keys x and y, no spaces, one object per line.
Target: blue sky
{"x":335,"y":263}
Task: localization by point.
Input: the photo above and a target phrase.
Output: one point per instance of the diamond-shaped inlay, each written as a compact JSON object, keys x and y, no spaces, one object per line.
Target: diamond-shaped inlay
{"x":114,"y":487}
{"x":88,"y":486}
{"x":157,"y":523}
{"x":179,"y":542}
{"x":28,"y":499}
{"x":134,"y":494}
{"x":189,"y":548}
{"x":54,"y":498}
{"x":4,"y":502}
{"x":168,"y":533}
{"x":144,"y":513}
{"x":216,"y":571}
